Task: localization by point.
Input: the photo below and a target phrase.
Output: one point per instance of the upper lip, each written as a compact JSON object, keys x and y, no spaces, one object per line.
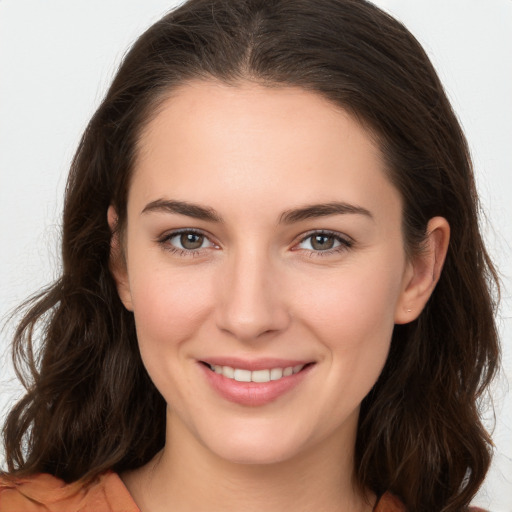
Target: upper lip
{"x":254,"y":364}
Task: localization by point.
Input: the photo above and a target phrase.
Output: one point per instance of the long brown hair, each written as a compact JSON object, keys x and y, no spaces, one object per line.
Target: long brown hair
{"x":89,"y":397}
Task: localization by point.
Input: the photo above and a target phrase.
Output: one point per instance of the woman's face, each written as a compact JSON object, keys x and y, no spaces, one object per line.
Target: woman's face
{"x":263,"y":244}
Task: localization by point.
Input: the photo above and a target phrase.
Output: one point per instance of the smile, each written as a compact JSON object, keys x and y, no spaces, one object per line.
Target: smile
{"x":264,"y":375}
{"x":254,"y":383}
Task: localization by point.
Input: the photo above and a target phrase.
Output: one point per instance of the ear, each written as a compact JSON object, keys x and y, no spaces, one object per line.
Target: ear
{"x":423,"y":272}
{"x":118,"y":261}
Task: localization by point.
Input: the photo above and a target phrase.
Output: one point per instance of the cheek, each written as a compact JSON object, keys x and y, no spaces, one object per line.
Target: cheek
{"x":355,"y":326}
{"x":169,"y":305}
{"x":352,"y":315}
{"x":351,"y":301}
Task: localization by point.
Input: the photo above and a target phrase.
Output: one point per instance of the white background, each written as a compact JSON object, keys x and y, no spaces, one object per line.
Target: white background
{"x":57,"y":57}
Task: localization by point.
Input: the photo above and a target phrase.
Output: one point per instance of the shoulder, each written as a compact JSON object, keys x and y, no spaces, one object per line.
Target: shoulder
{"x":43,"y":492}
{"x":390,"y":503}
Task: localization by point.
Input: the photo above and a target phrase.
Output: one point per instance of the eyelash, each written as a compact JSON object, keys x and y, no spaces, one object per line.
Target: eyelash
{"x":344,"y":243}
{"x":164,"y":241}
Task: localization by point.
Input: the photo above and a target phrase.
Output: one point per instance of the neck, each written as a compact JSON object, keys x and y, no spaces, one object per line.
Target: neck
{"x":192,"y":478}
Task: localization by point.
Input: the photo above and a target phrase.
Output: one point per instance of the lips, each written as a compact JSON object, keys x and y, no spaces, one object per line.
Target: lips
{"x":254,"y":383}
{"x":264,"y":375}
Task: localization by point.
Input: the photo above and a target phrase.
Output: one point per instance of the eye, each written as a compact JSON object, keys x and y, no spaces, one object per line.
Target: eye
{"x":324,"y":241}
{"x":186,"y":242}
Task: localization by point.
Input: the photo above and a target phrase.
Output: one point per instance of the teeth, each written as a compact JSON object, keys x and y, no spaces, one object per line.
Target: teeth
{"x":242,"y":375}
{"x":276,"y":373}
{"x":260,"y":376}
{"x":228,"y":372}
{"x":256,"y":375}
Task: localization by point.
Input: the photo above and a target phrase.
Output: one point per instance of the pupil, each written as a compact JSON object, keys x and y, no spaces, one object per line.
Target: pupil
{"x":191,"y":241}
{"x":322,"y":242}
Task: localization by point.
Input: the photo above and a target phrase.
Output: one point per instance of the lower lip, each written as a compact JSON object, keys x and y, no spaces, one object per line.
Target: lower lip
{"x":253,"y":393}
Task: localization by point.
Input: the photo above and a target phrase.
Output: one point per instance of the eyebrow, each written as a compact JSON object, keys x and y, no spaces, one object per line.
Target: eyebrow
{"x":287,"y":217}
{"x":183,"y":208}
{"x":322,"y":210}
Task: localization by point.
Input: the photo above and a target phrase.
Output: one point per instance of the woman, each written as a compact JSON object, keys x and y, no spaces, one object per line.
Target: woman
{"x":275,"y":293}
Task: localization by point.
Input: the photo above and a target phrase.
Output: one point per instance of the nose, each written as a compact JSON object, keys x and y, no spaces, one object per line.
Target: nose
{"x":251,"y":302}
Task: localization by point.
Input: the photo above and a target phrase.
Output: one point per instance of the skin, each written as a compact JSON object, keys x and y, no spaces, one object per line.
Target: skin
{"x":257,"y":287}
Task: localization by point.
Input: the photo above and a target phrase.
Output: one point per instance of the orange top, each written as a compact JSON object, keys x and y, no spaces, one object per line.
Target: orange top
{"x":45,"y":493}
{"x":107,"y":493}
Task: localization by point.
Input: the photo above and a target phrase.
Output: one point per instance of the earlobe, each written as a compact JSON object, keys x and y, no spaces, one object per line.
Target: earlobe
{"x":117,"y":262}
{"x":423,"y":272}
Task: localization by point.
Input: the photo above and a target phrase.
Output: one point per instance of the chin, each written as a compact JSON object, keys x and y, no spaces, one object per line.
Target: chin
{"x":254,"y":454}
{"x":257,"y":445}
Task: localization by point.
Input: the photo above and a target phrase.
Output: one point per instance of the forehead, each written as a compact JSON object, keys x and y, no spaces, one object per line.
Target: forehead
{"x":212,"y":107}
{"x":212,"y":140}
